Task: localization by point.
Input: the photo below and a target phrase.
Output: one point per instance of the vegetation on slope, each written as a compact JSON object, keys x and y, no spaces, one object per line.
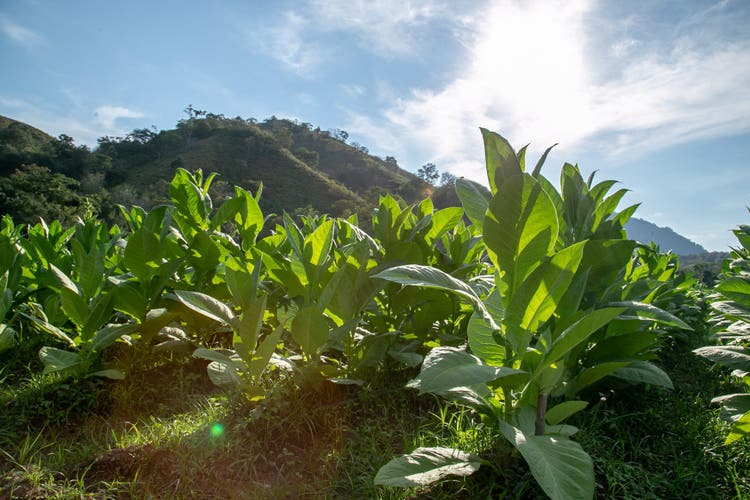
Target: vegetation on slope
{"x":310,"y":347}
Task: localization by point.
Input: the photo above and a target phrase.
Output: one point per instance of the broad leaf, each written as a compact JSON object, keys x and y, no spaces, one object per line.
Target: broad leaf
{"x":649,"y":312}
{"x":223,"y":375}
{"x":206,"y":305}
{"x":740,"y":428}
{"x":263,"y":354}
{"x":481,"y":336}
{"x":109,"y":334}
{"x":310,"y":330}
{"x":502,"y":162}
{"x":595,"y":373}
{"x":645,"y":373}
{"x":475,"y":199}
{"x":446,"y":368}
{"x":559,"y":465}
{"x":579,"y":332}
{"x":56,"y":360}
{"x":318,"y":244}
{"x":560,"y":412}
{"x":425,"y":466}
{"x":442,"y":221}
{"x":537,"y":298}
{"x":431,"y":277}
{"x":731,"y":356}
{"x":520,"y":228}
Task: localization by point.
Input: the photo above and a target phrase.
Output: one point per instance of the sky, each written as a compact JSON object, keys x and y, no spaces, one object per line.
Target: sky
{"x":653,"y":94}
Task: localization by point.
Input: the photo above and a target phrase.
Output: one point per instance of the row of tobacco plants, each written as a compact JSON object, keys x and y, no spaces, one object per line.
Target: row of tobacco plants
{"x":512,"y":305}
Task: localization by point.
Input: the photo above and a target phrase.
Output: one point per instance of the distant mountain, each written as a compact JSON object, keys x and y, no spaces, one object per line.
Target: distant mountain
{"x":300,"y":167}
{"x":666,"y":238}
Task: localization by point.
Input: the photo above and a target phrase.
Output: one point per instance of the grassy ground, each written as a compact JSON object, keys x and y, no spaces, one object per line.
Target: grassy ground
{"x":165,"y":432}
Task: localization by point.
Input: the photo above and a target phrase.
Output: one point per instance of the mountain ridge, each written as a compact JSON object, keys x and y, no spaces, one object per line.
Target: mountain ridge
{"x":665,"y":237}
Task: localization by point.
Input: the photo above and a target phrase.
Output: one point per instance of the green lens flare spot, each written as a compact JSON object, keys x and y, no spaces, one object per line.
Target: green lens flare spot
{"x":217,"y":430}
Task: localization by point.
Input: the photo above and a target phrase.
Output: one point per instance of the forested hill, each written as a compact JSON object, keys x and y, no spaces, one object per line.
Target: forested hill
{"x":300,"y":167}
{"x":665,"y":237}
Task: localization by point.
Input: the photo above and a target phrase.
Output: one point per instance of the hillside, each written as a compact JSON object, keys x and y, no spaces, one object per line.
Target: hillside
{"x":666,"y":238}
{"x":300,"y":167}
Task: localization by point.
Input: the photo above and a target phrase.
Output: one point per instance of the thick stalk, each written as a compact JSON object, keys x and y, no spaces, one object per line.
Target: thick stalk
{"x":541,"y":413}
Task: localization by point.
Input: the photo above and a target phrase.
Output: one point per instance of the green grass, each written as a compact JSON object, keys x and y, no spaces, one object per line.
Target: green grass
{"x":166,"y":432}
{"x":652,"y":443}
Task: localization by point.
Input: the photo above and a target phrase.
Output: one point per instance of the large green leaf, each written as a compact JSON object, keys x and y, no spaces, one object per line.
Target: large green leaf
{"x":188,"y":198}
{"x":142,"y":254}
{"x":249,"y":327}
{"x":100,"y":311}
{"x":425,"y":466}
{"x":501,"y":161}
{"x":740,"y":428}
{"x":430,"y":277}
{"x":443,"y":221}
{"x":650,"y":312}
{"x":482,"y":337}
{"x":520,"y":228}
{"x":579,"y":332}
{"x":606,"y":260}
{"x":732,"y":310}
{"x":318,"y":244}
{"x":733,"y":406}
{"x":47,"y":327}
{"x":264,"y":352}
{"x":57,"y":360}
{"x":74,"y":306}
{"x":475,"y":199}
{"x":250,"y":217}
{"x":645,"y":373}
{"x":446,"y":368}
{"x":731,"y":356}
{"x":561,"y":411}
{"x":595,"y":373}
{"x":736,"y":288}
{"x":7,"y":337}
{"x":206,"y":305}
{"x":559,"y":465}
{"x":310,"y":330}
{"x":128,"y":298}
{"x":89,"y":268}
{"x":537,"y":298}
{"x":223,"y":375}
{"x":109,"y":334}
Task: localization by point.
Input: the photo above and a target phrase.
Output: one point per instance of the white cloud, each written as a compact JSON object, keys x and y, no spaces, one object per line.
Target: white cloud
{"x":107,"y":115}
{"x":387,"y":28}
{"x":286,"y":43}
{"x":352,"y":90}
{"x":19,"y":34}
{"x":530,"y":75}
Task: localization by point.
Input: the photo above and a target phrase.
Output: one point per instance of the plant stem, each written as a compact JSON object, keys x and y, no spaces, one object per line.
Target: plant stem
{"x":541,"y":412}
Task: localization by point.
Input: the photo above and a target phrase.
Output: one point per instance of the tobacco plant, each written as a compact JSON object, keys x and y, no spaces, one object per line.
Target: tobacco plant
{"x":730,"y":317}
{"x":530,"y":334}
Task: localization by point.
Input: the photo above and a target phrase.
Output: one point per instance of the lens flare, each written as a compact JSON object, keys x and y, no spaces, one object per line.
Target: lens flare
{"x":217,"y":430}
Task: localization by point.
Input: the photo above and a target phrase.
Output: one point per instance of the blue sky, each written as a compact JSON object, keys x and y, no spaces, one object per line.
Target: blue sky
{"x":654,"y":94}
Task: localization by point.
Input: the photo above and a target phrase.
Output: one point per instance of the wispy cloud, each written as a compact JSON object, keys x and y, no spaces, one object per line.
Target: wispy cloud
{"x":76,"y":122}
{"x":531,"y":74}
{"x":286,"y":42}
{"x":387,"y":28}
{"x":107,"y":116}
{"x":19,"y":34}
